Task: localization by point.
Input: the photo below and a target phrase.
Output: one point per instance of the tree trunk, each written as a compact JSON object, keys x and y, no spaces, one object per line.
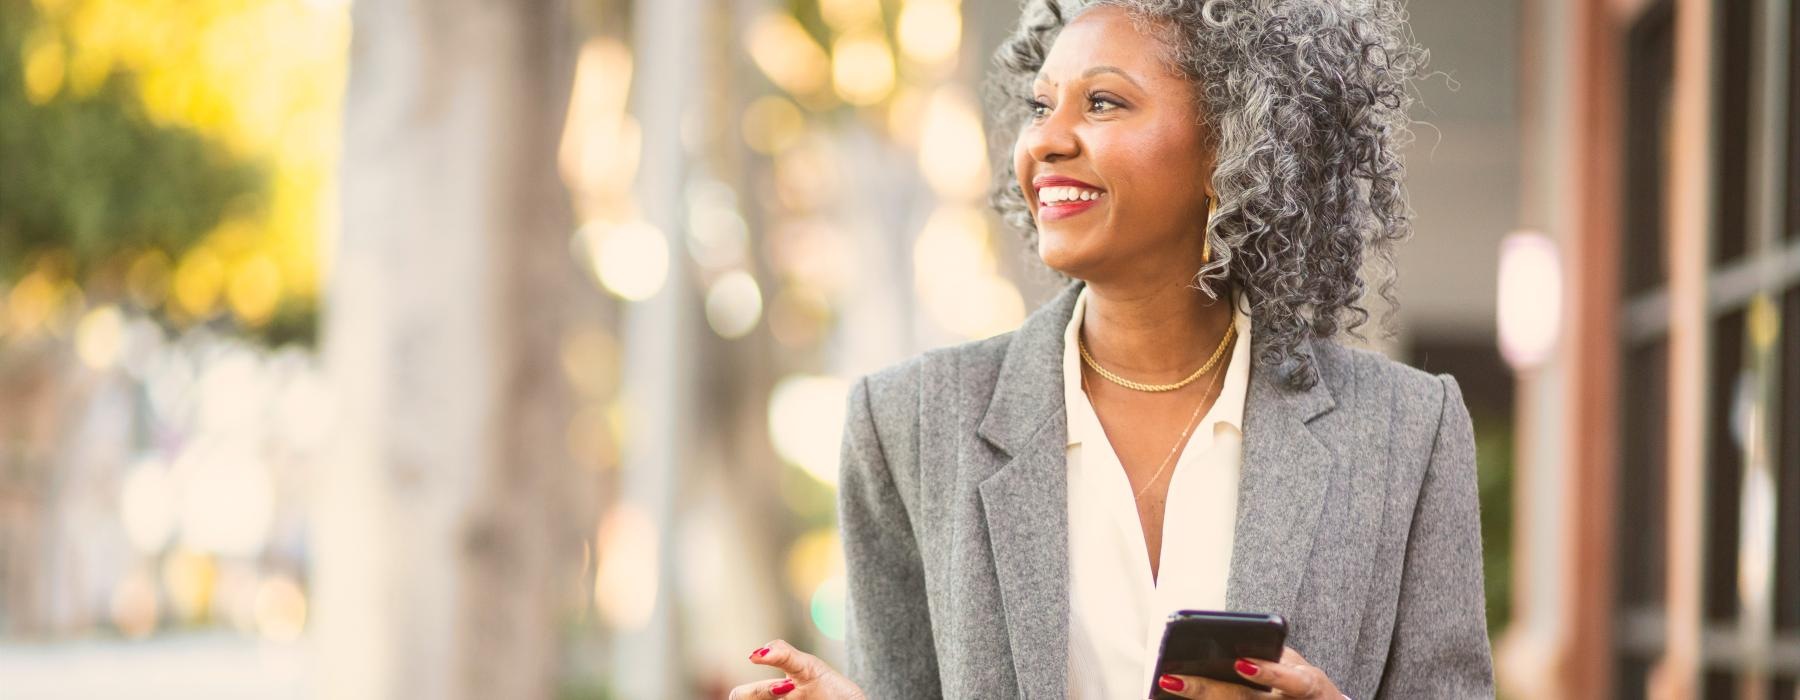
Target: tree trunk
{"x":449,"y":520}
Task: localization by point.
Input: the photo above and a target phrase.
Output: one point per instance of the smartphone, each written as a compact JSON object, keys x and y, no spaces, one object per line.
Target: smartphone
{"x":1207,"y":643}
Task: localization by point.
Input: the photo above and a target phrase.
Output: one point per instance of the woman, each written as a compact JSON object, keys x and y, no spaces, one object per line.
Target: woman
{"x":1179,"y":427}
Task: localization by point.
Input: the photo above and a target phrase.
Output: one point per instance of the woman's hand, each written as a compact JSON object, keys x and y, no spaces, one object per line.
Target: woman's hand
{"x":1291,"y":677}
{"x":808,"y":678}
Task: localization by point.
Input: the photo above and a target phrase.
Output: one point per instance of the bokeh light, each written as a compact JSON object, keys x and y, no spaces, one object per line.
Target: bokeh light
{"x":631,"y":259}
{"x":100,"y":336}
{"x":1530,"y":295}
{"x":734,"y":305}
{"x":45,"y":64}
{"x":134,"y":608}
{"x":806,"y":418}
{"x":828,"y":608}
{"x":33,"y":303}
{"x":806,"y":175}
{"x":788,"y":55}
{"x":280,"y":609}
{"x":930,"y":31}
{"x":718,"y":238}
{"x":850,"y":15}
{"x":226,"y":497}
{"x":601,"y":141}
{"x":625,"y":584}
{"x":952,"y":150}
{"x":862,"y":68}
{"x":254,"y":289}
{"x":772,"y":123}
{"x":199,"y":279}
{"x":190,"y":578}
{"x":590,"y":359}
{"x":147,"y":505}
{"x":954,"y":273}
{"x":813,"y":558}
{"x":798,"y":315}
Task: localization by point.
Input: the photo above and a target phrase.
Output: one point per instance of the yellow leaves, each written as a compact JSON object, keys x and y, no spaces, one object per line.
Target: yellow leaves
{"x":254,"y":290}
{"x":233,"y":266}
{"x":32,"y":302}
{"x":265,"y":77}
{"x":46,"y":63}
{"x":44,"y":300}
{"x":197,"y":282}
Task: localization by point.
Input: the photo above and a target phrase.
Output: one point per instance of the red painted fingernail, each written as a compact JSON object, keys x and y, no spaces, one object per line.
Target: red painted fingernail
{"x":759,"y":653}
{"x":783,"y":688}
{"x":1246,"y":668}
{"x":1171,"y":683}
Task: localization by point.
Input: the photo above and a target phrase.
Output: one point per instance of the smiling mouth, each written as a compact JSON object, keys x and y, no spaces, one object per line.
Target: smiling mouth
{"x":1067,"y":194}
{"x":1063,"y":202}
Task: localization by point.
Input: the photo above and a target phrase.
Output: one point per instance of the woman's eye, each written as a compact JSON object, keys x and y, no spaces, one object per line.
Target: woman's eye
{"x":1097,"y":102}
{"x":1039,"y":110}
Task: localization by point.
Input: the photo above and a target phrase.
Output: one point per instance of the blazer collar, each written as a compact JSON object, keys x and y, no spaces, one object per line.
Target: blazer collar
{"x":1286,"y":466}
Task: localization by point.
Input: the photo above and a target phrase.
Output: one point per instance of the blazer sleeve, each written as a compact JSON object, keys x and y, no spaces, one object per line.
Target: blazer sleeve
{"x":887,"y":624}
{"x":1440,"y":644}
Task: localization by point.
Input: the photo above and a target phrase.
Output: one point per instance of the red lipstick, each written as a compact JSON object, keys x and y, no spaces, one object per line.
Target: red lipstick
{"x":1043,"y":181}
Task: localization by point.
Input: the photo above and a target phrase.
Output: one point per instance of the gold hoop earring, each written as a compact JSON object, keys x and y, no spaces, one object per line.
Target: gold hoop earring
{"x":1212,"y":209}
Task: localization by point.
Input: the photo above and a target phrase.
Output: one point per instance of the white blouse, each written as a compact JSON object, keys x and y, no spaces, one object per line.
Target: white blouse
{"x":1116,"y":612}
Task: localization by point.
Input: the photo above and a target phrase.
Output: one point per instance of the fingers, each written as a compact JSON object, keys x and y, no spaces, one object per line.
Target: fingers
{"x":763,"y":690}
{"x":1183,"y":686}
{"x":799,"y":665}
{"x":1199,"y":687}
{"x":1291,"y":677}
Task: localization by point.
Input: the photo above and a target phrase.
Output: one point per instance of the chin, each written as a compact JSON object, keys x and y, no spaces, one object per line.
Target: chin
{"x":1060,"y":255}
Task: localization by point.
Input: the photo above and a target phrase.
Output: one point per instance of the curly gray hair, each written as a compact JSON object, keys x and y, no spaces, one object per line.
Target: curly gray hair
{"x":1306,"y":101}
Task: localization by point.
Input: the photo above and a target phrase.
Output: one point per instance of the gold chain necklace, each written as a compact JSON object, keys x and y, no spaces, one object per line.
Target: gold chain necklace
{"x":1224,"y":341}
{"x":1179,"y":440}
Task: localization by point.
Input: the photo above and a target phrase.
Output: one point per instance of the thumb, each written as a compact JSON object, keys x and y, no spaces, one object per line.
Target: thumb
{"x":799,"y":665}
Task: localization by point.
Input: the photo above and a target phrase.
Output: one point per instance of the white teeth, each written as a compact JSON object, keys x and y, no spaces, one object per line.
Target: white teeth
{"x":1051,"y":195}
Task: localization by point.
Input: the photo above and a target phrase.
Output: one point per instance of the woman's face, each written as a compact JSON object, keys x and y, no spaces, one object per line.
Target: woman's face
{"x":1113,"y":119}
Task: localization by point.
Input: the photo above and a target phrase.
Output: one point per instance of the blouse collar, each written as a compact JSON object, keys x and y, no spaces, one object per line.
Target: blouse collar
{"x":1228,"y":409}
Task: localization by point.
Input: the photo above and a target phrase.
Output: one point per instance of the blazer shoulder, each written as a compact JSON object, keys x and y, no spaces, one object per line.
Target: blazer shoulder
{"x":1416,"y":395}
{"x":904,"y":380}
{"x":897,"y":392}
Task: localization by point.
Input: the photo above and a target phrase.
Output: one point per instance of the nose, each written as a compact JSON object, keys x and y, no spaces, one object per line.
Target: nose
{"x":1053,"y":139}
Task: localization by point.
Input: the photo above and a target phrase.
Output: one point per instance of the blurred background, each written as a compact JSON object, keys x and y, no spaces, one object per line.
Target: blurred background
{"x":465,"y":349}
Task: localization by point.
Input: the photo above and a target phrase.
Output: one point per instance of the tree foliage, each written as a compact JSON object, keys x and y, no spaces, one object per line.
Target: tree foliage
{"x":94,"y":175}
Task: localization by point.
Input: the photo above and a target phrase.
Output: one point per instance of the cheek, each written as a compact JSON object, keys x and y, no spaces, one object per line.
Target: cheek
{"x":1156,"y":169}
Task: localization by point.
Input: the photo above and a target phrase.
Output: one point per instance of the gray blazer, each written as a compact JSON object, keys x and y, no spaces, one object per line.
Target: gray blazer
{"x":1357,"y":521}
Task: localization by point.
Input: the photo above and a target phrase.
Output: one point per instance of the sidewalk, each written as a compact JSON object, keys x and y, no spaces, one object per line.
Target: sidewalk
{"x":195,"y":666}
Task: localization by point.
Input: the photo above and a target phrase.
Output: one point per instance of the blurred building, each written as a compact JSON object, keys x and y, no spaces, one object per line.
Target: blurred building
{"x":1658,"y":537}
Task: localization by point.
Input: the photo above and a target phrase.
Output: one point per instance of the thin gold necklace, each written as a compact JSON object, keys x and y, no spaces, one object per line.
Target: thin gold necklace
{"x":1179,"y":440}
{"x":1219,"y":352}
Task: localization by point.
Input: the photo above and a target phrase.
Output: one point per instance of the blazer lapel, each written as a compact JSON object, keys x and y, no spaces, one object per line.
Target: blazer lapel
{"x":1025,"y":499}
{"x":1283,"y":475}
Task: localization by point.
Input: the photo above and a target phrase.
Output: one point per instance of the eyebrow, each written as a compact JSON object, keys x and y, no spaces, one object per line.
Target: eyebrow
{"x":1096,"y":70}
